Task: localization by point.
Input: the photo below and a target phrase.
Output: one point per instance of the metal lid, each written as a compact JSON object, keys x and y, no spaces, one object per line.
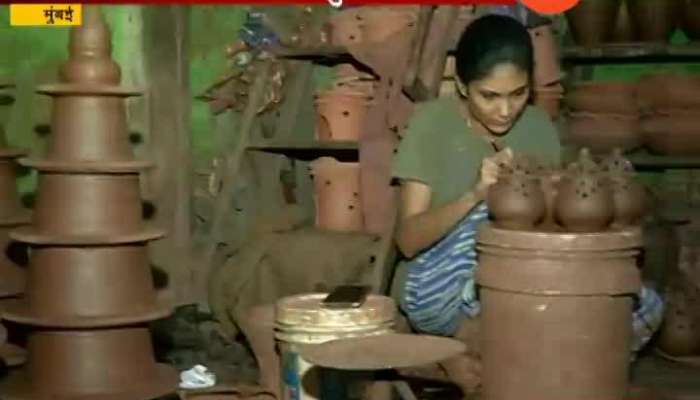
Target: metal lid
{"x":306,"y":310}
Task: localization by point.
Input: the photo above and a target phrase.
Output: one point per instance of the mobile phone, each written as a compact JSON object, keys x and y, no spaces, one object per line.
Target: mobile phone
{"x":346,"y":296}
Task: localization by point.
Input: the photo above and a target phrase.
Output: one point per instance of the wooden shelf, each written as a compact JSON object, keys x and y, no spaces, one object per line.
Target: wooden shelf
{"x":645,"y":161}
{"x":309,"y":150}
{"x":631,"y":53}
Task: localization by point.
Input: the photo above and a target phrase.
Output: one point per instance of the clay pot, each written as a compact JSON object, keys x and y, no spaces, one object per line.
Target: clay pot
{"x":88,"y":128}
{"x":63,"y":364}
{"x":380,"y":23}
{"x":592,"y":22}
{"x":549,"y":99}
{"x":584,"y":203}
{"x":10,"y":205}
{"x":680,"y":332}
{"x":516,"y":201}
{"x":337,"y":195}
{"x":546,"y":55}
{"x":341,"y":115}
{"x":690,"y":19}
{"x":88,"y":205}
{"x":345,"y":28}
{"x":623,"y":32}
{"x":603,"y":97}
{"x":90,"y":52}
{"x":675,"y":133}
{"x":603,"y":132}
{"x":629,"y":200}
{"x":88,"y":286}
{"x":668,"y":91}
{"x":654,"y":20}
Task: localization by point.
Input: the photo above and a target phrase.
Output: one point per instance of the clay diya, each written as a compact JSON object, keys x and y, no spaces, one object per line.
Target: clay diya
{"x":592,"y":22}
{"x":336,"y":193}
{"x":654,"y":20}
{"x":604,"y":132}
{"x":547,"y":68}
{"x":341,"y":114}
{"x":603,"y":97}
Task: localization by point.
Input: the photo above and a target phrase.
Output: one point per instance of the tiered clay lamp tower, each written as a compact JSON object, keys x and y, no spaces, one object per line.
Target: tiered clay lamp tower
{"x":12,"y":215}
{"x":90,"y":294}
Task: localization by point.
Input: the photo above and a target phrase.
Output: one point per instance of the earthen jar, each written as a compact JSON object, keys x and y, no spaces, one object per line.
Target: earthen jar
{"x":379,"y":23}
{"x":516,"y":201}
{"x":603,"y":97}
{"x":690,"y":19}
{"x":680,"y":333}
{"x":592,"y":22}
{"x":668,"y":91}
{"x":615,"y":163}
{"x":654,"y":20}
{"x":345,"y":28}
{"x":603,"y":132}
{"x":546,"y":55}
{"x":623,"y":32}
{"x":674,"y":133}
{"x":337,"y":195}
{"x":549,"y":98}
{"x":584,"y":203}
{"x":629,"y":200}
{"x":341,"y":114}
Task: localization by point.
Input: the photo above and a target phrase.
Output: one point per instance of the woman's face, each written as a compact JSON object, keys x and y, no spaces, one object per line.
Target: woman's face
{"x":497,"y":100}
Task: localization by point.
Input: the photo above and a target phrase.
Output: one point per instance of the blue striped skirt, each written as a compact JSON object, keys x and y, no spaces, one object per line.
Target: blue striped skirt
{"x":440,"y":288}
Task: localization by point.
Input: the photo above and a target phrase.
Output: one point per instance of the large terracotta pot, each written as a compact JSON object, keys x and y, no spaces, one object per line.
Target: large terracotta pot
{"x":341,"y":114}
{"x":690,"y":19}
{"x":592,"y":22}
{"x":337,"y":195}
{"x":654,"y":20}
{"x":549,"y":99}
{"x":547,"y":68}
{"x":668,"y":91}
{"x":675,"y":133}
{"x":604,"y":132}
{"x":603,"y":97}
{"x":379,"y":23}
{"x":345,"y":28}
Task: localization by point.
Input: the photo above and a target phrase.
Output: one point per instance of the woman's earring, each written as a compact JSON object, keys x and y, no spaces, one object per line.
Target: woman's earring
{"x":461,"y":88}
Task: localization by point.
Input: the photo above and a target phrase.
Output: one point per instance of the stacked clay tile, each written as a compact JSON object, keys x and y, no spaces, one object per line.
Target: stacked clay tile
{"x":12,"y":215}
{"x":89,"y":293}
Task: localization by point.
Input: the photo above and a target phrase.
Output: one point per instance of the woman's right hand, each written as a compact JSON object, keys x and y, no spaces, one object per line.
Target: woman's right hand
{"x":491,"y":169}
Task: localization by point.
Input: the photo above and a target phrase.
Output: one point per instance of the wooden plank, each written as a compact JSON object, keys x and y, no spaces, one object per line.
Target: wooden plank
{"x":632,"y":53}
{"x":425,"y":14}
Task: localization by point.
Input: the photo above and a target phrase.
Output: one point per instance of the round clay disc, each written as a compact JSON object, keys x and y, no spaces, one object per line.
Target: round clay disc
{"x":392,"y":350}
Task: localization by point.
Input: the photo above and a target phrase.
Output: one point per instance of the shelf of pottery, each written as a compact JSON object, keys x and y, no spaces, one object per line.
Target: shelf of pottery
{"x":657,"y":112}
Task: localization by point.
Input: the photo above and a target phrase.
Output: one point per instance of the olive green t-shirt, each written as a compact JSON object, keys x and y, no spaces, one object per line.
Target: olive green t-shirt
{"x":439,"y":150}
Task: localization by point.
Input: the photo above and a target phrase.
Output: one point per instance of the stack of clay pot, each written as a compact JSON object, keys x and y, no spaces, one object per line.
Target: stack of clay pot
{"x":603,"y":116}
{"x":89,"y":295}
{"x":363,"y":25}
{"x":547,"y":75}
{"x":12,"y":215}
{"x":600,"y":22}
{"x":671,"y":108}
{"x":585,"y":197}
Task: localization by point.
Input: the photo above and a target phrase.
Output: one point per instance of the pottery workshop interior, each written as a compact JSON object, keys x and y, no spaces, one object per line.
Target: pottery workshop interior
{"x":354,"y":202}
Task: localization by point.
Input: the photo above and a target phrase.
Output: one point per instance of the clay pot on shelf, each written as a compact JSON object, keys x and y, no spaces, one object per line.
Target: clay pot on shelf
{"x":516,"y":202}
{"x":341,"y":114}
{"x":592,"y":22}
{"x":668,"y":91}
{"x":654,"y":20}
{"x":549,"y":98}
{"x":345,"y":28}
{"x":337,"y":195}
{"x":380,"y":23}
{"x":603,"y":97}
{"x":604,"y":132}
{"x":623,"y":32}
{"x":584,"y":203}
{"x":690,"y":19}
{"x":546,"y":55}
{"x":672,"y":133}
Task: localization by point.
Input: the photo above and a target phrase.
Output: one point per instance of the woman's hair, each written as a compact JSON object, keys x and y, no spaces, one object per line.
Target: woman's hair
{"x":490,"y":41}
